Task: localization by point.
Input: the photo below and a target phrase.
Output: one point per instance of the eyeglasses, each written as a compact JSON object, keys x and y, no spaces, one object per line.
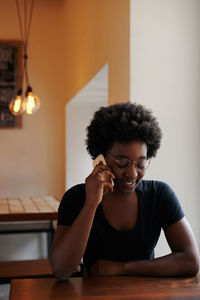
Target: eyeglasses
{"x":124,"y":163}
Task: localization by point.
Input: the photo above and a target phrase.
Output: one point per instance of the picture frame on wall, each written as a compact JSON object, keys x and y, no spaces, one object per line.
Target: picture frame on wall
{"x":10,"y":75}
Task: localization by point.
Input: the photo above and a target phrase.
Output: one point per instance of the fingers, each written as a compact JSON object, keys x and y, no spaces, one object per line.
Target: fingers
{"x":105,"y":182}
{"x":102,"y":171}
{"x":103,"y":174}
{"x":98,"y":173}
{"x":99,"y":182}
{"x":106,"y":177}
{"x":108,"y":186}
{"x":99,"y":167}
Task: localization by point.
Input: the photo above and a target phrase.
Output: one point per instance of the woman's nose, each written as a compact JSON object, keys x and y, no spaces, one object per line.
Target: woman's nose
{"x":132,"y":171}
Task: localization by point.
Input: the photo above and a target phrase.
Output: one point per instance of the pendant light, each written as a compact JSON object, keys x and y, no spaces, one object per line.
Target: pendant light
{"x":30,"y":103}
{"x":17,"y":105}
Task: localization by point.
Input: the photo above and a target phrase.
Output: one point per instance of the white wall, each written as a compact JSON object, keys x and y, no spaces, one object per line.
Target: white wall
{"x":165,"y":73}
{"x":79,"y":112}
{"x":78,"y":161}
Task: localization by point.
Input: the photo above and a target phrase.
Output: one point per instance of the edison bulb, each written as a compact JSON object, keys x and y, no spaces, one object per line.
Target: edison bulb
{"x":32,"y":103}
{"x":17,"y":105}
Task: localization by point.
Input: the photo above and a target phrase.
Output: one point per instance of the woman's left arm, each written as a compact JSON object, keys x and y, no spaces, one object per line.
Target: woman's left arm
{"x":183,"y":261}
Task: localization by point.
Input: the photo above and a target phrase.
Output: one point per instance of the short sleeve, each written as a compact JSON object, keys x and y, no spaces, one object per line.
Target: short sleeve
{"x":71,"y":204}
{"x":171,"y":211}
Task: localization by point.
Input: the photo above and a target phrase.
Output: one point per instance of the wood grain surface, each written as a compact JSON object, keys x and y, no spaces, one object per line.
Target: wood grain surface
{"x":108,"y":288}
{"x":28,"y":208}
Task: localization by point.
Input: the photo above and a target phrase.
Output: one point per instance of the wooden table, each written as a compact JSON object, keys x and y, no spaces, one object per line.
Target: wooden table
{"x":106,"y":288}
{"x":28,"y":209}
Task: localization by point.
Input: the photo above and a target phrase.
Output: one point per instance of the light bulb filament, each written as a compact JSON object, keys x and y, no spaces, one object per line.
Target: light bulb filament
{"x":17,"y":104}
{"x":30,"y":105}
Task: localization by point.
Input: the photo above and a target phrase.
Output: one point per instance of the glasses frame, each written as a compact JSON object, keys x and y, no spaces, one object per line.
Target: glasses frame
{"x":130,"y":163}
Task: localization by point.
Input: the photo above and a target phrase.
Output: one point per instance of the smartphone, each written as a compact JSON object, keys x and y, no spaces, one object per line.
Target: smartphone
{"x":108,"y":178}
{"x":97,"y":160}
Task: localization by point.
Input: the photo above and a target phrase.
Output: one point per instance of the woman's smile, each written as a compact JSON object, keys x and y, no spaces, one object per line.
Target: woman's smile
{"x":126,"y":185}
{"x":127,"y":175}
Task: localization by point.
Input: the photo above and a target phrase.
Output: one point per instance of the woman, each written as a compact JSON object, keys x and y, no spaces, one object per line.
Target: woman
{"x":116,"y":231}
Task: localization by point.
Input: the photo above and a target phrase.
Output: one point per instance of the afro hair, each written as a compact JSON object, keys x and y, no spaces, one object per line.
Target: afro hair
{"x":122,"y":123}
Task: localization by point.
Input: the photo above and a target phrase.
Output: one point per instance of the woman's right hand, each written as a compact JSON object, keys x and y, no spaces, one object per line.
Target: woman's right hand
{"x":96,"y":184}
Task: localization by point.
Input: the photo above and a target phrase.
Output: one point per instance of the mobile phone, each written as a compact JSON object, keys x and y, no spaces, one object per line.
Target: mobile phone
{"x":98,"y":159}
{"x":105,"y":177}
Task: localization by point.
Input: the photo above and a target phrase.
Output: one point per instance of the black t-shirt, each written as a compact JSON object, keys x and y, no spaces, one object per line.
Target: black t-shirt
{"x":158,"y":207}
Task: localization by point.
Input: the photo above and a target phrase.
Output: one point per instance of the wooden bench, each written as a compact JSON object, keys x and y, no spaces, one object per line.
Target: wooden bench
{"x":24,"y":269}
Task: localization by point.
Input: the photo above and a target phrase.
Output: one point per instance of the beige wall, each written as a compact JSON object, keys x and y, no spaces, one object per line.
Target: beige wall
{"x":32,"y":158}
{"x":70,"y":41}
{"x":96,"y":32}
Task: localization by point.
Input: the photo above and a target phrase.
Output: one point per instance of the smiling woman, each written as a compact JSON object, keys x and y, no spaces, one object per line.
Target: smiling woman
{"x":116,"y":231}
{"x":128,"y":164}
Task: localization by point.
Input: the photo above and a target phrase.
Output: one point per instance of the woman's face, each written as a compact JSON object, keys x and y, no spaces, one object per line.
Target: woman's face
{"x":128,"y":163}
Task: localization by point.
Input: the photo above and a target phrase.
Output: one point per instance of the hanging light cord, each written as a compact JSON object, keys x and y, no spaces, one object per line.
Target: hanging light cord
{"x":25,"y":35}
